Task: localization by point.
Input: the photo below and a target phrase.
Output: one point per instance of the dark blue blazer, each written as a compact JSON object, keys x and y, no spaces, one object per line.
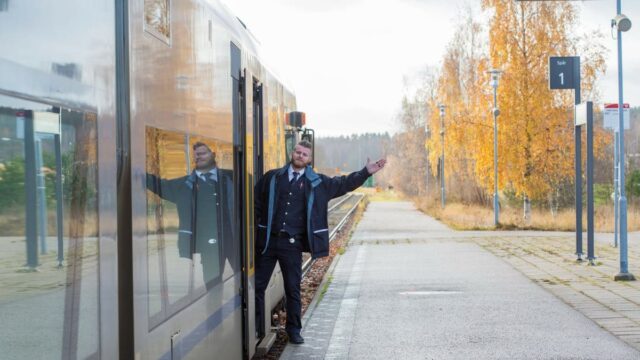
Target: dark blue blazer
{"x":319,"y":189}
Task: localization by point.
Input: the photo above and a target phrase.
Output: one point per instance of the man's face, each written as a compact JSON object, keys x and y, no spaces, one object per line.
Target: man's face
{"x":205,"y":159}
{"x":301,"y":157}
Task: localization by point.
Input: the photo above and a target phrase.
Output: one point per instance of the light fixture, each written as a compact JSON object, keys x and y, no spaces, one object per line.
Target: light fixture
{"x":621,"y":22}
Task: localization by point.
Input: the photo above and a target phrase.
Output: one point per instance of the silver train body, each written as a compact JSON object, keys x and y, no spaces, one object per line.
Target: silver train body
{"x":97,"y":98}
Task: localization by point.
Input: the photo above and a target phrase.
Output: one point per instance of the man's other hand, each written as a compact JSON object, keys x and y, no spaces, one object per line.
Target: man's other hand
{"x":374,"y":167}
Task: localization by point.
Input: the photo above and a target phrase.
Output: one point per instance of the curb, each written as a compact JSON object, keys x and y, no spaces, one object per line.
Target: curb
{"x":316,"y":297}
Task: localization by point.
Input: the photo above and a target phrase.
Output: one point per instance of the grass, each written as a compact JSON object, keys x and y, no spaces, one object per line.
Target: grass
{"x":476,"y":217}
{"x":325,"y":287}
{"x":376,"y":194}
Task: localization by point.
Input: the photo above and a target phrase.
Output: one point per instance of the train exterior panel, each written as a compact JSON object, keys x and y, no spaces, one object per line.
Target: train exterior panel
{"x":58,"y":265}
{"x":102,"y":107}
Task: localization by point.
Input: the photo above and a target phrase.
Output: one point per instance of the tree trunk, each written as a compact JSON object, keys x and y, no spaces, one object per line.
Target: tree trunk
{"x":527,"y":210}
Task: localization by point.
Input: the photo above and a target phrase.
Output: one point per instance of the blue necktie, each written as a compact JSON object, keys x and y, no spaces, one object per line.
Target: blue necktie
{"x":295,"y":177}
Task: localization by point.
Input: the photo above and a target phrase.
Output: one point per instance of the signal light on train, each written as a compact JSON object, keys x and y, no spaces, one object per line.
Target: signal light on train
{"x":296,"y":119}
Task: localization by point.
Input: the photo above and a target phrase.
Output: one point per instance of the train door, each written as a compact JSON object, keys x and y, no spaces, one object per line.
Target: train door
{"x":187,"y":195}
{"x":243,"y":91}
{"x":254,"y":168}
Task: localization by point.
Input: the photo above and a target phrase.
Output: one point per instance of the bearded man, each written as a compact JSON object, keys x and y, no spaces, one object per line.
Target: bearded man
{"x":291,"y":213}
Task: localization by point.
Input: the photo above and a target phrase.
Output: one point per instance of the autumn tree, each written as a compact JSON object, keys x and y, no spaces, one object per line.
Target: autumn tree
{"x":535,"y":129}
{"x":461,"y":88}
{"x":407,"y":160}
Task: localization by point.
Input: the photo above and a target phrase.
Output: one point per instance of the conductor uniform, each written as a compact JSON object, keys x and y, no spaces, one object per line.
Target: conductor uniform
{"x":291,"y":213}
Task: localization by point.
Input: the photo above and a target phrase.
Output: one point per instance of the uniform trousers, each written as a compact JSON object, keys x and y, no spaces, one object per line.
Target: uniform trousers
{"x":289,"y":255}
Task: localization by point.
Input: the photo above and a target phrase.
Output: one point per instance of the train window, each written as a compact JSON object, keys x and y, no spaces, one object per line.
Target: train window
{"x":290,"y":141}
{"x":48,"y":232}
{"x":157,"y":18}
{"x":190,"y":240}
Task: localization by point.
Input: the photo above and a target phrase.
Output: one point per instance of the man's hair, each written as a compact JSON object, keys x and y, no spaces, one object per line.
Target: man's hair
{"x":305,"y":143}
{"x":199,"y":144}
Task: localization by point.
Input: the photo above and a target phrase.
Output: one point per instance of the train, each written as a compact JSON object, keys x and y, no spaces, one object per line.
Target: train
{"x":106,"y":110}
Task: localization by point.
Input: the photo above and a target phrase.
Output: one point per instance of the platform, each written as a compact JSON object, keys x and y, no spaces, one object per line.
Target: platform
{"x":408,"y":287}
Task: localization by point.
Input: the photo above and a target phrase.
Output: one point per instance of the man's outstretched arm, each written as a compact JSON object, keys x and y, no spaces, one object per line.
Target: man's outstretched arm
{"x":340,"y":185}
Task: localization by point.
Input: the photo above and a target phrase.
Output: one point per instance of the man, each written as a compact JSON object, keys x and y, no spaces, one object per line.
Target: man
{"x":204,"y":200}
{"x":291,"y":213}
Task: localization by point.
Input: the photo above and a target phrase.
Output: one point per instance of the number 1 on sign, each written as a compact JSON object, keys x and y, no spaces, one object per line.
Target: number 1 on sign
{"x":561,"y":78}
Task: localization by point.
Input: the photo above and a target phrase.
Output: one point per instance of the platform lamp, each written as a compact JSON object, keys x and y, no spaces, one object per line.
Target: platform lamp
{"x":622,"y":24}
{"x":495,"y":76}
{"x":442,"y":192}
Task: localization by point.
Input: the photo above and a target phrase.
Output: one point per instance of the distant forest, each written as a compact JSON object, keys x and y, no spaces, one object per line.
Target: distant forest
{"x":341,"y":154}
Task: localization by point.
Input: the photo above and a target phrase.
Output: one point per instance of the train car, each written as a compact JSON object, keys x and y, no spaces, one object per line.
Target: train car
{"x":114,"y":244}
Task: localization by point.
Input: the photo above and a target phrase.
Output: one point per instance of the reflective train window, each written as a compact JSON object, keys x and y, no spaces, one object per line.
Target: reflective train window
{"x":157,"y":18}
{"x":48,"y":232}
{"x":190,"y":240}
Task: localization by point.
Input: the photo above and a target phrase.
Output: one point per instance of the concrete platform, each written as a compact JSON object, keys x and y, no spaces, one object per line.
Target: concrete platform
{"x":409,"y":288}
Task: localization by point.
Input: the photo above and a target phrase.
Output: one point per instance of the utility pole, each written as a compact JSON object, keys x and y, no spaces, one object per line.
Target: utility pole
{"x":442,"y":193}
{"x":622,"y":24}
{"x":495,"y":75}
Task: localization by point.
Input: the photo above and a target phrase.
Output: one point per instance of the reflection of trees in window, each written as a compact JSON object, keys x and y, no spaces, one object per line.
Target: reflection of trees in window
{"x":82,"y":222}
{"x":165,"y":159}
{"x":65,"y":284}
{"x":156,"y":16}
{"x":83,"y":178}
{"x":12,"y":172}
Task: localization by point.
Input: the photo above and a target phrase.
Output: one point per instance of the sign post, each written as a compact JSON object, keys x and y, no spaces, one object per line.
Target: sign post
{"x":611,"y":118}
{"x":584,"y":116}
{"x":564,"y":73}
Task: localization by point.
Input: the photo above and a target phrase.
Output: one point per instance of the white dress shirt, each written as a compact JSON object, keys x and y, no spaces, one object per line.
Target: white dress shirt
{"x":300,"y":172}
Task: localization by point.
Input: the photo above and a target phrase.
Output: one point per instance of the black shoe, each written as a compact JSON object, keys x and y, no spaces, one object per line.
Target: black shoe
{"x":296,"y":339}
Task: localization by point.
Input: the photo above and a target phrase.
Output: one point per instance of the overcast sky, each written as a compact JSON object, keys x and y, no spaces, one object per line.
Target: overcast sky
{"x":346,"y":59}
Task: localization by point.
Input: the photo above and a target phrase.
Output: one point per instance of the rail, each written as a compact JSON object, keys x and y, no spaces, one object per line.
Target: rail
{"x":358,"y":198}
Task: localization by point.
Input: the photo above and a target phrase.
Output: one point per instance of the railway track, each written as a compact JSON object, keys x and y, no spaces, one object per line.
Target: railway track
{"x":340,"y":210}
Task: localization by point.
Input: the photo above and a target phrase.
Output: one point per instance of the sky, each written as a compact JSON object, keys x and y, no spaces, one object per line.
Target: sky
{"x":346,"y":59}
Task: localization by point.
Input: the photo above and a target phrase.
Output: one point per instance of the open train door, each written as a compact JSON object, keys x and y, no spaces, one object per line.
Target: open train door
{"x":244,"y":158}
{"x":251,"y":123}
{"x":255,"y":169}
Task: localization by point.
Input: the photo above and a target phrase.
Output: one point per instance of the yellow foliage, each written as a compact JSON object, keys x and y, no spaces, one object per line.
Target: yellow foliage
{"x":535,"y":127}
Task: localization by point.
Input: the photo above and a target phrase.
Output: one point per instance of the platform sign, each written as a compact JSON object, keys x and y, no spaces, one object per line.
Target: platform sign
{"x":611,"y":117}
{"x":45,"y":122}
{"x":20,"y":118}
{"x":582,"y":112}
{"x":564,"y":72}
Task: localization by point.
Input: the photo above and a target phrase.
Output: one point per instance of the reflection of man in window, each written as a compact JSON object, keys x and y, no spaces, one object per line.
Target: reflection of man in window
{"x":207,"y":193}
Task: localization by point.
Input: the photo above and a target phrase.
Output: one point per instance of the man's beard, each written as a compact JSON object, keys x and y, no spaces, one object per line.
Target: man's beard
{"x":208,"y":165}
{"x":298,"y":163}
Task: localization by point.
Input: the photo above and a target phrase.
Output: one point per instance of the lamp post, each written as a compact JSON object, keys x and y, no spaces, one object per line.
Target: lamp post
{"x":427,"y":137}
{"x":622,"y":24}
{"x":442,"y":193}
{"x":495,"y":76}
